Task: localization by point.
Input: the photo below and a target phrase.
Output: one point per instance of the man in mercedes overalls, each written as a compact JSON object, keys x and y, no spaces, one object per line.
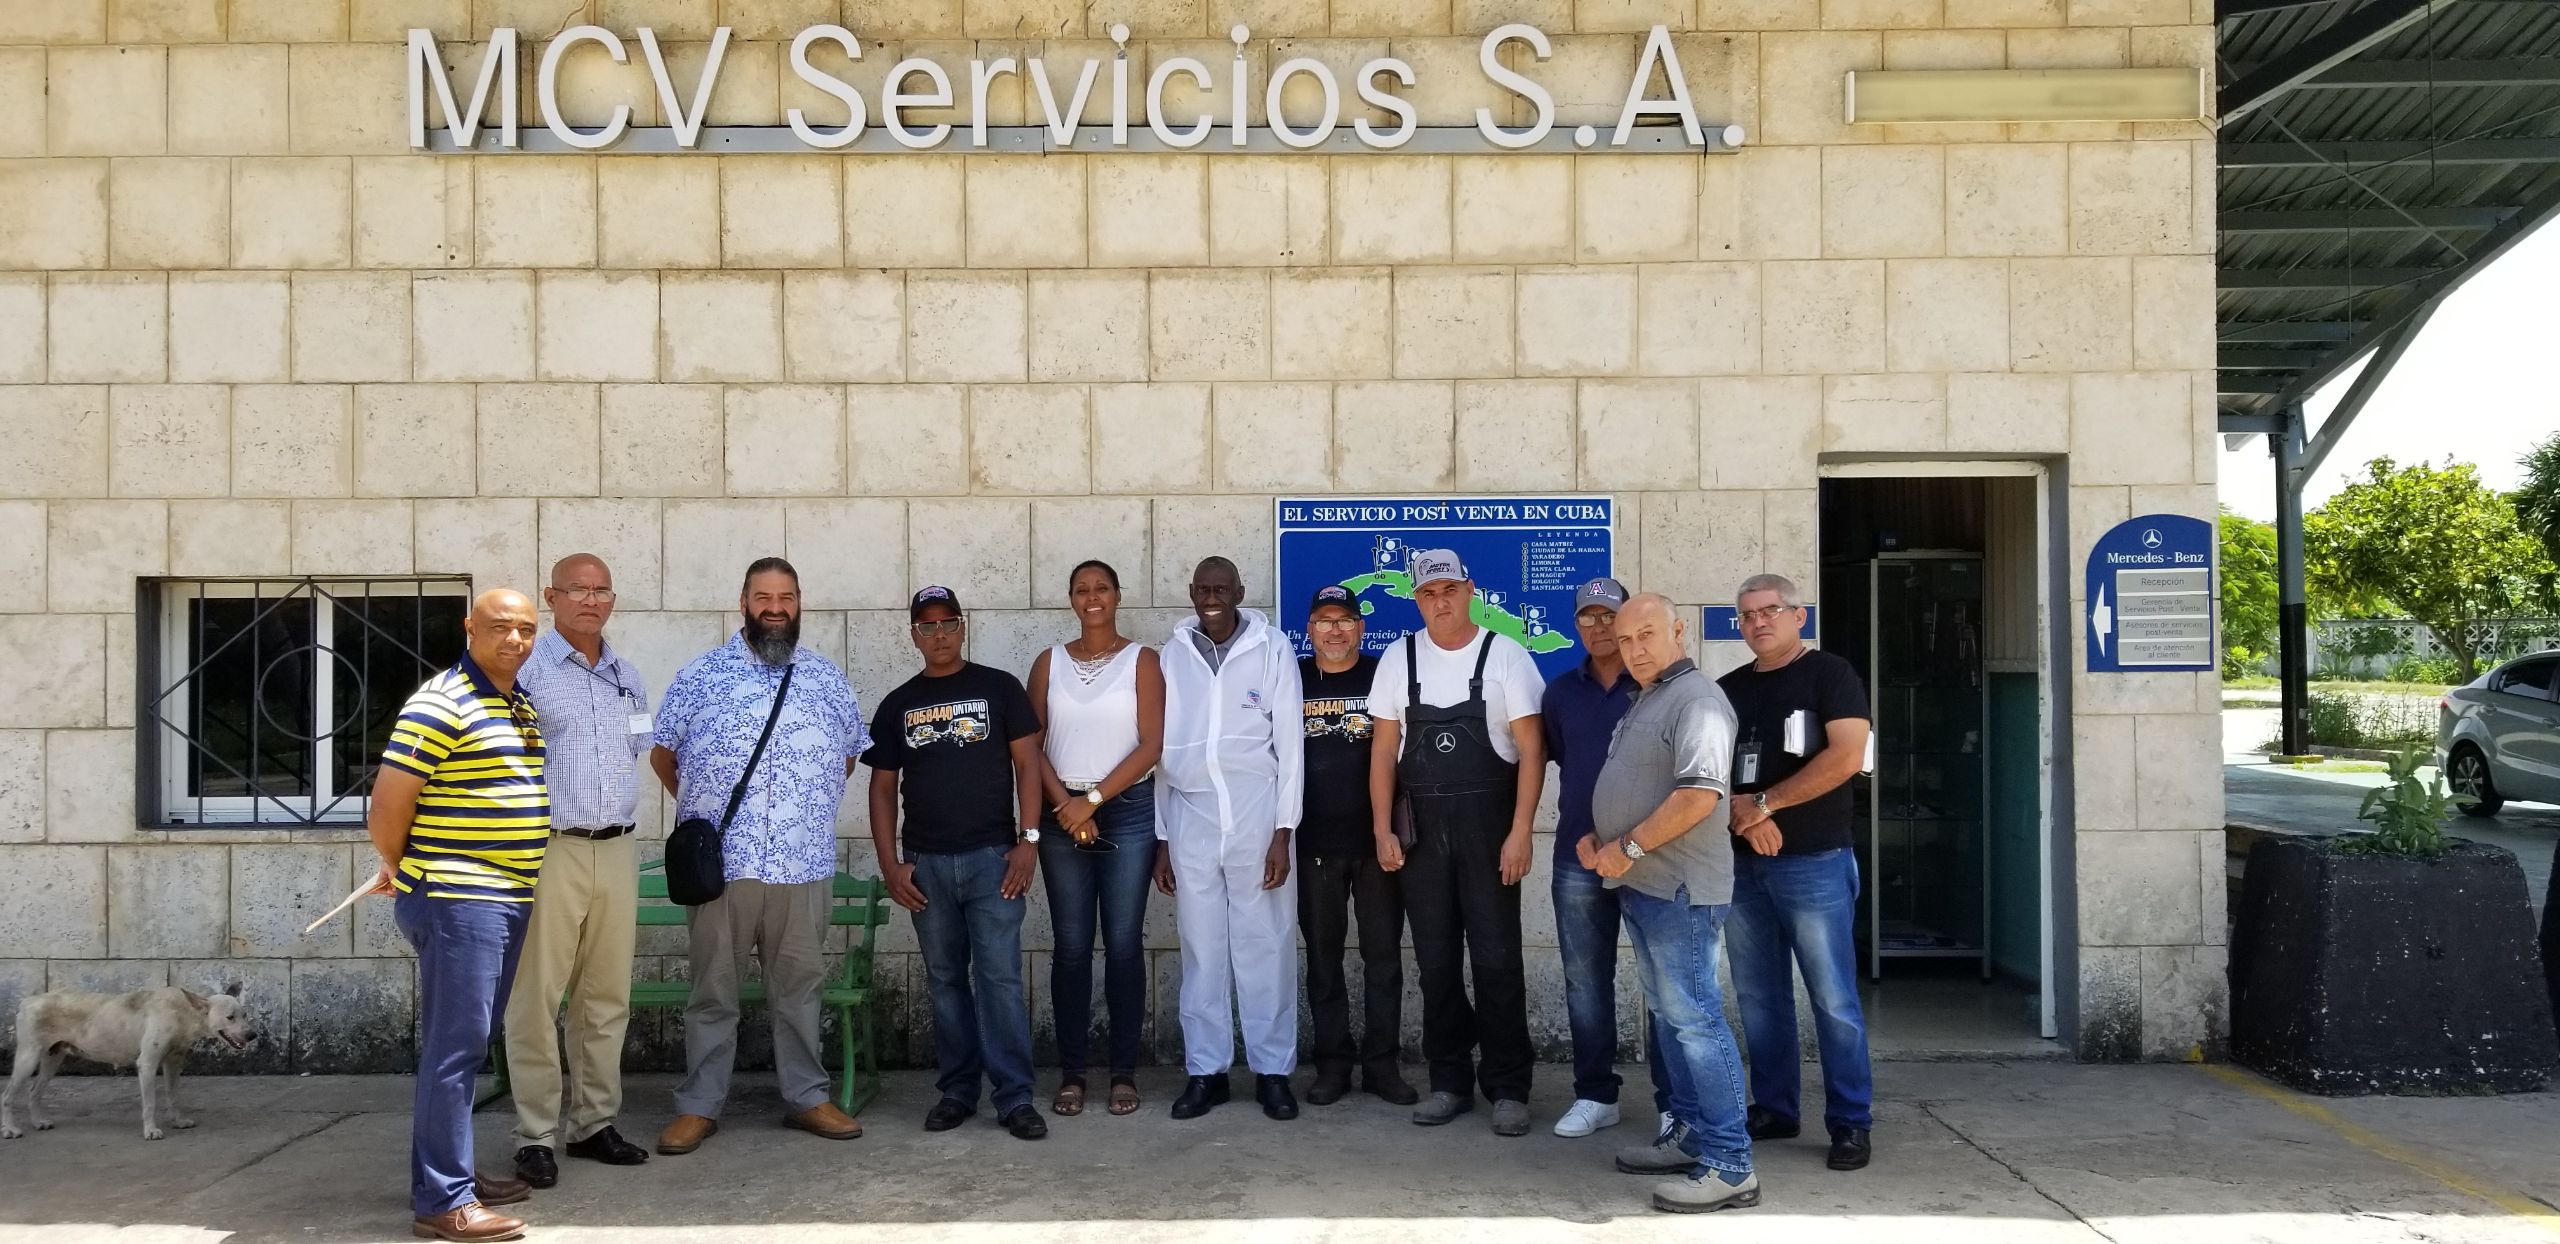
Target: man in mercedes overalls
{"x":1456,"y":709}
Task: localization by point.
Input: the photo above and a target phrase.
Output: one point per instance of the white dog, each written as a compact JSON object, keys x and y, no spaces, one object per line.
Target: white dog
{"x":148,"y":1030}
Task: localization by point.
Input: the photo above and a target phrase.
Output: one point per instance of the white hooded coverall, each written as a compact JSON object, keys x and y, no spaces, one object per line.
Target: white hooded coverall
{"x":1232,"y":773}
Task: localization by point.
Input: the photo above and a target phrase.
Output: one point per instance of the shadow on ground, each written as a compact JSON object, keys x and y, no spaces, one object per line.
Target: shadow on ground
{"x":1979,"y":1152}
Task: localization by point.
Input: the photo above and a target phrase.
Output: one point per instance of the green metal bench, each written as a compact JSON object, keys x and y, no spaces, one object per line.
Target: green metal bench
{"x":861,"y":904}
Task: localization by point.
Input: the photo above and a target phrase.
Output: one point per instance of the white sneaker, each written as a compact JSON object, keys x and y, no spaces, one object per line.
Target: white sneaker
{"x":1586,"y":1117}
{"x":1670,"y":1128}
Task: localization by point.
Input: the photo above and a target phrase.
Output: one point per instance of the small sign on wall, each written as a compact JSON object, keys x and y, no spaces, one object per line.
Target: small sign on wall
{"x":2149,"y":596}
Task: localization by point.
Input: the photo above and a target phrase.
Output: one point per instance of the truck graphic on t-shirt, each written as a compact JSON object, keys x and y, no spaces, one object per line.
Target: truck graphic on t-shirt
{"x":961,"y":721}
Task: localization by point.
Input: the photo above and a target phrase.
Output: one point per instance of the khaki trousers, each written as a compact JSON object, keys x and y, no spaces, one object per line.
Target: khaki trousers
{"x":577,"y":942}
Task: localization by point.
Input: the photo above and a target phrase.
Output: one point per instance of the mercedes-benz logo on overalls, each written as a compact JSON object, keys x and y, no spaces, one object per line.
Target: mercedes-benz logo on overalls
{"x":2150,"y":537}
{"x":1445,"y":742}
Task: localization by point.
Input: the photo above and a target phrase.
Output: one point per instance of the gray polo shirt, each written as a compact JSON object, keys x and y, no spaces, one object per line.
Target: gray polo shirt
{"x":1678,"y":734}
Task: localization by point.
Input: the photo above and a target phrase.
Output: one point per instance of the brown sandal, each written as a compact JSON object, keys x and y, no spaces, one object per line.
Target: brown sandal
{"x":1124,"y":1095}
{"x":1070,"y":1099}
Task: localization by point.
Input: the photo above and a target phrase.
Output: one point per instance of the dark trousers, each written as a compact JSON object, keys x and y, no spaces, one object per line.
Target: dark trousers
{"x":1465,"y":920}
{"x":1330,"y":889}
{"x":1105,"y":891}
{"x":971,"y":938}
{"x":466,"y":964}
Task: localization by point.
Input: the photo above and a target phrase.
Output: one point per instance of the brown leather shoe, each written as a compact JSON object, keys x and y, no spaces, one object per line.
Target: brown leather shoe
{"x":825,"y":1120}
{"x":500,"y":1189}
{"x":473,"y":1222}
{"x":686,"y":1134}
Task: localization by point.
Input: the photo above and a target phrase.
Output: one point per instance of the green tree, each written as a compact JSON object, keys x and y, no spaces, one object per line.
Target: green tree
{"x":2538,"y":502}
{"x":2248,"y":593}
{"x":2432,"y":542}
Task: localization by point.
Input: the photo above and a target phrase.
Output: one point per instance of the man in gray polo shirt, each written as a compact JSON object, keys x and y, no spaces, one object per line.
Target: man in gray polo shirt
{"x":1659,"y":824}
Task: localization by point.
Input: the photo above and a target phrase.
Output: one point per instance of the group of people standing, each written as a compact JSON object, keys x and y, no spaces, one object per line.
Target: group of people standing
{"x":1270,"y":795}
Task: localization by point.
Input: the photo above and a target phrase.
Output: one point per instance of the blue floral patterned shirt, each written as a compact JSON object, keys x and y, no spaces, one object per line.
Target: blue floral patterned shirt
{"x":785,"y":832}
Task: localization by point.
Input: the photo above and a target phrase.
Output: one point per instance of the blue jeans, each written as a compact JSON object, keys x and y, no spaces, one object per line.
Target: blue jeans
{"x":1801,"y":908}
{"x":1676,"y":947}
{"x":466,"y":963}
{"x":971,"y":936}
{"x":1108,"y":889}
{"x":1587,"y":924}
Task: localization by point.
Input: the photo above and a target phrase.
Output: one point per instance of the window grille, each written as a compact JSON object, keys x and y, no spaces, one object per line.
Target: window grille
{"x":268,"y":702}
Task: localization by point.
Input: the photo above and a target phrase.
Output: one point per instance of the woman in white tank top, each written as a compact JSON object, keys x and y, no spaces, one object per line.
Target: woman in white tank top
{"x":1101,"y":702}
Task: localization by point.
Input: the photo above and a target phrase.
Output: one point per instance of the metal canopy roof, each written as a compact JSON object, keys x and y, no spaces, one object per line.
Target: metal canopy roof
{"x":2374,"y":154}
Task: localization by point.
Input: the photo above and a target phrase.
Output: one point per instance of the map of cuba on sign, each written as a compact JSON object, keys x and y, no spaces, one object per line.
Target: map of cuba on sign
{"x":1527,"y":555}
{"x":2149,"y":596}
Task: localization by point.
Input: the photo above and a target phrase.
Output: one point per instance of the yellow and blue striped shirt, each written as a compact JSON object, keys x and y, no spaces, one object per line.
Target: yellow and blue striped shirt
{"x":485,"y":814}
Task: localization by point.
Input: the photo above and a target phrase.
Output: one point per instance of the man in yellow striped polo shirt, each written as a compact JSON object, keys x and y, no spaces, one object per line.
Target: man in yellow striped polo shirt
{"x":460,"y":816}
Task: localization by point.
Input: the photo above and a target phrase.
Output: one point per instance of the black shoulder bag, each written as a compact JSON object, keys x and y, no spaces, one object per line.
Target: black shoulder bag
{"x":695,"y":874}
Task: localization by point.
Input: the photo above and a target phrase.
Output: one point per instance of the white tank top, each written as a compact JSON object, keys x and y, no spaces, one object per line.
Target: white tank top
{"x":1092,"y":726}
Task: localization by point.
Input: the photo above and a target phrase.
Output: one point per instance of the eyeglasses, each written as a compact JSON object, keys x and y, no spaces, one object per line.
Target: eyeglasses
{"x":941,"y":626}
{"x":1332,"y":624}
{"x":1765,"y":613}
{"x":587,"y":595}
{"x":1595,"y":619}
{"x":524,"y":724}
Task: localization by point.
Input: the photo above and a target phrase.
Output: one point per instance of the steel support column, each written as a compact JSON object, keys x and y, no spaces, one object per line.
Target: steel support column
{"x":2293,"y":609}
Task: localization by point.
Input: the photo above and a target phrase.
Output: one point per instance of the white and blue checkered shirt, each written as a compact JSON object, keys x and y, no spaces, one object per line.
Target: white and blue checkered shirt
{"x":586,"y":712}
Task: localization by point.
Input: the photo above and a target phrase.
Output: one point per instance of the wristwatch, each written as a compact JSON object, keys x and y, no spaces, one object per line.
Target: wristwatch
{"x":1760,"y":800}
{"x":1628,"y":845}
{"x":1094,"y":796}
{"x":1032,"y":835}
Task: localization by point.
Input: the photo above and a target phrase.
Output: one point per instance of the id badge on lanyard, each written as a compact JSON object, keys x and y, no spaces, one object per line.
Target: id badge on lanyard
{"x":1746,"y":762}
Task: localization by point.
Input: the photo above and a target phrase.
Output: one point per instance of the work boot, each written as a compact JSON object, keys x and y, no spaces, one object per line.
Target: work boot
{"x":1706,"y":1192}
{"x":1388,"y":1085}
{"x":468,"y":1223}
{"x":1663,"y":1157}
{"x":1025,"y":1123}
{"x":1440,"y":1107}
{"x":1199,"y":1094}
{"x":1766,"y":1124}
{"x":1330,"y":1085}
{"x":1849,"y":1149}
{"x":826,"y":1122}
{"x":686,"y":1134}
{"x":1510,"y":1118}
{"x":1273,"y":1093}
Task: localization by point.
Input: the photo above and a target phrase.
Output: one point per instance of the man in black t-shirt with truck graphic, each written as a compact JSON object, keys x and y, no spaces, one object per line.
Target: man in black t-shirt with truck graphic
{"x":1800,"y":735}
{"x":957,"y":748}
{"x":1338,"y":871}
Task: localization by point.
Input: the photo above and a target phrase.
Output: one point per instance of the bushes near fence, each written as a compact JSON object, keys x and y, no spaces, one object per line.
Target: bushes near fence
{"x":2345,"y":719}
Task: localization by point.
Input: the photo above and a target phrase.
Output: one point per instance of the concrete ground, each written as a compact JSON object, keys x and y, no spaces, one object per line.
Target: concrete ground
{"x":1984,"y":1153}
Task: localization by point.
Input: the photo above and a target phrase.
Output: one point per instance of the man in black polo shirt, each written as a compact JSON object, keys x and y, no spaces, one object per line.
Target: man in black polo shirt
{"x":1801,"y":735}
{"x":1338,"y":865}
{"x":962,"y":744}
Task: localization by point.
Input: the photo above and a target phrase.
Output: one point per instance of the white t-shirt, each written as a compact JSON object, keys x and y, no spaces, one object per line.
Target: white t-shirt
{"x":1512,"y":684}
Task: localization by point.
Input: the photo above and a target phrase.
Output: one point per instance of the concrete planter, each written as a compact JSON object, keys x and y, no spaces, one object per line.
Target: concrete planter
{"x":2355,"y":974}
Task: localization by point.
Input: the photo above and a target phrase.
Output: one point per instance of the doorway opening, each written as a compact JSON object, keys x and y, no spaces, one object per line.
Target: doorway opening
{"x":1935,"y":586}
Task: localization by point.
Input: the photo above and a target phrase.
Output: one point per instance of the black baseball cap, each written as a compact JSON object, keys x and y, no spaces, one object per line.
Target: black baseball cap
{"x":1334,"y":594}
{"x":929,"y":596}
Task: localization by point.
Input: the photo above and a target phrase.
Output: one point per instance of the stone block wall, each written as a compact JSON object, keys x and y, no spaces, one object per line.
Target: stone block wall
{"x":245,"y":332}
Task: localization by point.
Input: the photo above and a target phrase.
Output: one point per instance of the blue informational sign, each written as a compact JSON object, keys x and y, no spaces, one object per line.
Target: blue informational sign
{"x":2150,"y":597}
{"x":1526,"y":554}
{"x":1725,"y":622}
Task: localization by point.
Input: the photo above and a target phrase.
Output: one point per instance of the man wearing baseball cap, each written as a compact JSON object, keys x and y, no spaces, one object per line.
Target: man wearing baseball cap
{"x":1579,"y":713}
{"x":1338,"y":865}
{"x":961,"y":742}
{"x":1458,"y":738}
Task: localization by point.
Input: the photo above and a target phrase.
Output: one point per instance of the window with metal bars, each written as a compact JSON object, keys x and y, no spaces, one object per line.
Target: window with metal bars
{"x":268,"y":702}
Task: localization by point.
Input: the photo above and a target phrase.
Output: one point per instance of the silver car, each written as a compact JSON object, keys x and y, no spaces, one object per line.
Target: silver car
{"x":2498,"y":736}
